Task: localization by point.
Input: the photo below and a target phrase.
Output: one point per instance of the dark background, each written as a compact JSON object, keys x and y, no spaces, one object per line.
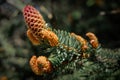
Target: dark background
{"x":101,"y":17}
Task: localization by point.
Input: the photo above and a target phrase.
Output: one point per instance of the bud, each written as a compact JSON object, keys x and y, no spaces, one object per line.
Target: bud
{"x":81,"y":40}
{"x":40,"y":65}
{"x":33,"y":39}
{"x":44,"y":64}
{"x":93,"y":39}
{"x":50,"y":37}
{"x":34,"y":66}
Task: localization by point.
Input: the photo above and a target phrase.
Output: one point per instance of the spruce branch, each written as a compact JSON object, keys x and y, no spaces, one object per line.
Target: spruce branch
{"x":67,"y":51}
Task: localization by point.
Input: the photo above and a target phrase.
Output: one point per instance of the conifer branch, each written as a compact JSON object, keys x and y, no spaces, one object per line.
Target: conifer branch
{"x":67,"y":51}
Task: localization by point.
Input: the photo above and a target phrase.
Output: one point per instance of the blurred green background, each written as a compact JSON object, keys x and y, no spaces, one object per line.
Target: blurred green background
{"x":101,"y":17}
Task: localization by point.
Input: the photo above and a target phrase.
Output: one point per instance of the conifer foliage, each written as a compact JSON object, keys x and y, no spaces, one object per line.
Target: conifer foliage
{"x":67,"y":52}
